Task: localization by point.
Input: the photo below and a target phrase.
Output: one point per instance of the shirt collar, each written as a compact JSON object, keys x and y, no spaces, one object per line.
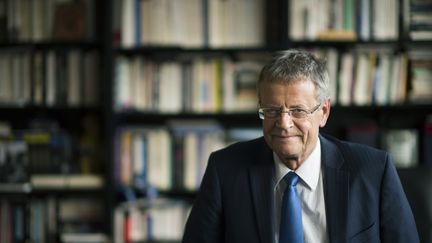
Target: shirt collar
{"x":308,"y":171}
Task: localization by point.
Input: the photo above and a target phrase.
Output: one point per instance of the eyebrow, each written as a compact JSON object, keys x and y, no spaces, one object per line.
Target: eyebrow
{"x":279,"y":107}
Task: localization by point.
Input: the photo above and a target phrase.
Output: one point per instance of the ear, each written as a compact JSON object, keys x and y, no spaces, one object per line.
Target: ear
{"x":326,"y":112}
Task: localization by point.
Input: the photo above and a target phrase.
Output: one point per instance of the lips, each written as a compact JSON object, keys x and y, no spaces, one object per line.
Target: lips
{"x":285,"y":137}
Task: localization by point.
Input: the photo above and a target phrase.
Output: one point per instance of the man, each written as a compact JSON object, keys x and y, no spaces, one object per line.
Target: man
{"x":345,"y":192}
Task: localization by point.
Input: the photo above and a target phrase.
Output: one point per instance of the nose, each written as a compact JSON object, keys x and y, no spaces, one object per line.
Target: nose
{"x":284,"y":120}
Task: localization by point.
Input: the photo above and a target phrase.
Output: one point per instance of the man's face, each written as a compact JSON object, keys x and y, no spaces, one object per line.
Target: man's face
{"x":290,"y":138}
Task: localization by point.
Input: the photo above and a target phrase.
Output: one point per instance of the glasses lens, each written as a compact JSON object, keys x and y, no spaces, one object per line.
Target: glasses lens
{"x":261,"y":114}
{"x":299,"y":114}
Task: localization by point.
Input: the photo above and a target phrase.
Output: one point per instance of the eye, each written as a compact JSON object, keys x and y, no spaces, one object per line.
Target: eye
{"x":271,"y":112}
{"x":298,"y":113}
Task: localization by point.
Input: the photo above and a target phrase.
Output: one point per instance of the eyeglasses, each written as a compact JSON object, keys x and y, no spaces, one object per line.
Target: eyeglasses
{"x":295,"y":113}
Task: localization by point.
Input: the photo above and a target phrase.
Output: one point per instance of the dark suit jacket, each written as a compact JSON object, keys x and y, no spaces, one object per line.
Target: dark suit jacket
{"x":364,"y":198}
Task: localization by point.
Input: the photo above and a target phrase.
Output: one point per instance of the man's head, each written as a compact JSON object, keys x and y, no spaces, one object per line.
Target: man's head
{"x":296,"y":83}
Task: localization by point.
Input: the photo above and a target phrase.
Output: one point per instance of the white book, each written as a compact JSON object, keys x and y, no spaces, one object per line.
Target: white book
{"x":197,"y":76}
{"x":84,"y":238}
{"x":321,"y":11}
{"x":228,"y":88}
{"x":5,"y":77}
{"x":128,"y":24}
{"x":138,"y":225}
{"x":26,"y":79}
{"x":119,"y":221}
{"x":385,"y":78}
{"x":73,"y":78}
{"x":159,"y":162}
{"x":365,"y":17}
{"x":217,"y":24}
{"x":394,"y":80}
{"x":85,"y":181}
{"x":146,"y":22}
{"x":37,"y":78}
{"x":361,"y":87}
{"x":191,"y":181}
{"x":296,"y":19}
{"x":332,"y":67}
{"x":140,"y":87}
{"x":345,"y":79}
{"x":50,"y":86}
{"x":133,"y":81}
{"x":402,"y":144}
{"x":166,"y":159}
{"x":149,"y":76}
{"x":121,"y":83}
{"x":170,"y":87}
{"x":335,"y":15}
{"x":394,"y":19}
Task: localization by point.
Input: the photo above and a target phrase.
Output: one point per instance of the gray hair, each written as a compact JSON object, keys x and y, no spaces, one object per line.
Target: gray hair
{"x":295,"y":65}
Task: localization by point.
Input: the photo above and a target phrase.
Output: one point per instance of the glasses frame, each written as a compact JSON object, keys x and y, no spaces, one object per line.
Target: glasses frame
{"x":261,"y":112}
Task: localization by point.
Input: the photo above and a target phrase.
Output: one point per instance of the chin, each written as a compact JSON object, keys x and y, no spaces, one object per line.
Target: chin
{"x":292,"y":153}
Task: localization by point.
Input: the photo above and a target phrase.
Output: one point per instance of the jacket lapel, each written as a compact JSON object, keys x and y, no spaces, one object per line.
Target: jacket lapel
{"x":261,"y":176}
{"x":336,"y":185}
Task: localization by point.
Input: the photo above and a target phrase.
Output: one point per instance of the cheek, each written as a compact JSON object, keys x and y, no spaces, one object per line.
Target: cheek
{"x":267,"y":126}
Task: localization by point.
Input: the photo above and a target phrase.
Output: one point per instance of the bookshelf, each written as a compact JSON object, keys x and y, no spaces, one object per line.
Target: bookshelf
{"x":382,"y":101}
{"x":175,"y":77}
{"x":52,"y":121}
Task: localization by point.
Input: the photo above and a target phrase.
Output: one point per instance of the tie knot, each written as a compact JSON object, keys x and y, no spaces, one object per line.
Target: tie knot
{"x":291,"y":179}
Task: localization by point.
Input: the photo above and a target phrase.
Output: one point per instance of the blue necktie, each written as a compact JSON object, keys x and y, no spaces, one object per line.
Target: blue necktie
{"x":291,"y":228}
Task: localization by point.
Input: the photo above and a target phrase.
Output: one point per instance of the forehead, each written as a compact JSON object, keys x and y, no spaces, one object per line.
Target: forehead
{"x":301,"y":91}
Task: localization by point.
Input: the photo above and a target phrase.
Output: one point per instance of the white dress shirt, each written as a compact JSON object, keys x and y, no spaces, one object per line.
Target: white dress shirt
{"x":311,"y":194}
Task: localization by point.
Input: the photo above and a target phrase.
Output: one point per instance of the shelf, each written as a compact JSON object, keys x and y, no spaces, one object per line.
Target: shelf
{"x":50,"y":45}
{"x":15,"y":188}
{"x":286,"y":45}
{"x":26,"y":189}
{"x":40,"y":108}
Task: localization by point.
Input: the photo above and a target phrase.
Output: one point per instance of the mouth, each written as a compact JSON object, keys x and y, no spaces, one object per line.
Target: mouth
{"x":285,"y":137}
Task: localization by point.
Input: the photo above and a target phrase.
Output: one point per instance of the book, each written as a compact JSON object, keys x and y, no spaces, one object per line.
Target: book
{"x":70,"y":181}
{"x":403,"y":145}
{"x":70,"y":21}
{"x":84,"y":238}
{"x":193,"y":143}
{"x":159,"y":219}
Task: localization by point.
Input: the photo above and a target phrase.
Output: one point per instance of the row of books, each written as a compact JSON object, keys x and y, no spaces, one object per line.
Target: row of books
{"x":65,"y":78}
{"x":166,"y":159}
{"x":343,"y":20}
{"x":189,"y":23}
{"x":158,"y":219}
{"x":198,"y":84}
{"x":419,"y":19}
{"x":373,"y":77}
{"x":45,"y":149}
{"x":174,"y":157}
{"x":42,"y":220}
{"x":409,"y":147}
{"x":46,"y":20}
{"x":421,"y":76}
{"x":361,"y":76}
